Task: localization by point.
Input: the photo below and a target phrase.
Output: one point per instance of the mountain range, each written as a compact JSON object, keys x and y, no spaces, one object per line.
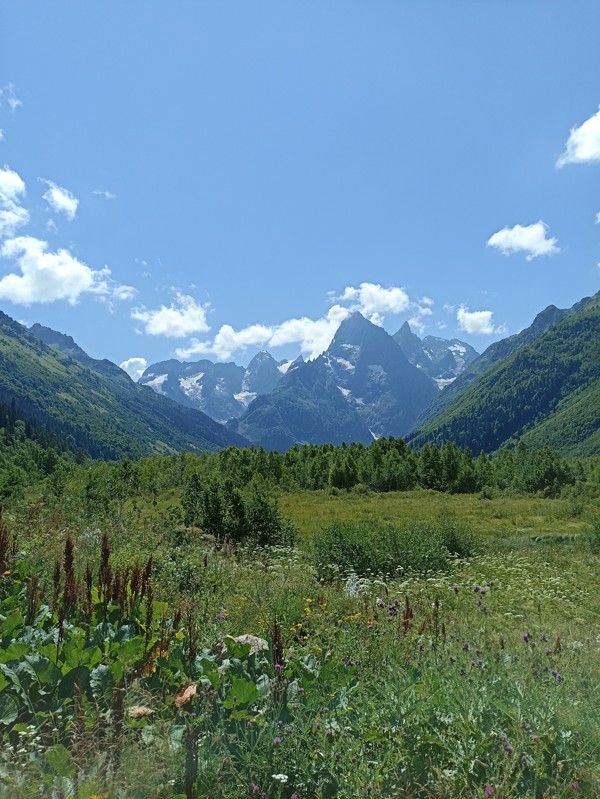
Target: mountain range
{"x":541,"y":385}
{"x":222,"y":390}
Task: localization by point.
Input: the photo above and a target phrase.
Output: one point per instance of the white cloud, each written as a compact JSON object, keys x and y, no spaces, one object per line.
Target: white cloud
{"x":417,"y":321}
{"x":371,"y":298}
{"x":48,"y":276}
{"x":1,"y":134}
{"x":312,"y":335}
{"x":477,"y":322}
{"x":12,"y":213}
{"x":124,"y":292}
{"x":530,"y":239}
{"x":583,"y":144}
{"x":426,"y":301}
{"x":135,"y":367}
{"x":181,"y":318}
{"x":108,"y":195}
{"x":598,"y":218}
{"x":9,"y":97}
{"x":61,"y":200}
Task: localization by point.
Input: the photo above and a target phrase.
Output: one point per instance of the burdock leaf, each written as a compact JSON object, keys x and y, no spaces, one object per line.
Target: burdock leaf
{"x":8,"y":710}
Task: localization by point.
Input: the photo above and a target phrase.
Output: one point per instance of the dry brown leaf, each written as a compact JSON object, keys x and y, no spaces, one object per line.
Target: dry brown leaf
{"x":139,"y":711}
{"x":184,"y":695}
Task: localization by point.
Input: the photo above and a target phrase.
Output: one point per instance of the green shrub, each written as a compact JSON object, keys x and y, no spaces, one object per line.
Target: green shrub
{"x":371,"y":548}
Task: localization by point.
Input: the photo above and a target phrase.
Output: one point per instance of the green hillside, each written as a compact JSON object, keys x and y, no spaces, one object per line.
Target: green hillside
{"x":105,"y":415}
{"x":548,"y":392}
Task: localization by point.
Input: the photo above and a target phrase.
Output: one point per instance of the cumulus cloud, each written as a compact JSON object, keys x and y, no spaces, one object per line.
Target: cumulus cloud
{"x":61,"y":200}
{"x":48,"y":276}
{"x":371,"y":298}
{"x":108,"y":195}
{"x":598,"y":218}
{"x":530,"y":239}
{"x":124,"y":293}
{"x":8,"y":97}
{"x":135,"y":367}
{"x":12,"y":213}
{"x":182,"y":318}
{"x":312,"y":335}
{"x":477,"y":322}
{"x":583,"y":144}
{"x":1,"y":134}
{"x":417,"y":322}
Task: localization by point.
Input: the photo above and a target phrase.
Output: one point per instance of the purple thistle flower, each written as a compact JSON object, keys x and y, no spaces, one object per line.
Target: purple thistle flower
{"x":454,"y":587}
{"x":574,"y":785}
{"x":509,"y":749}
{"x":489,"y":790}
{"x":276,"y":740}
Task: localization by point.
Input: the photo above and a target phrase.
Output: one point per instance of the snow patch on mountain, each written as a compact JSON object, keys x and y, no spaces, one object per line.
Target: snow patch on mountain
{"x":157,"y":383}
{"x":192,"y":386}
{"x":245,"y":397}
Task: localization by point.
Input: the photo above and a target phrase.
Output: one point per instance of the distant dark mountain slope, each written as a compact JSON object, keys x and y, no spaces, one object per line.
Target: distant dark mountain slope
{"x":495,"y":353}
{"x":548,"y":392}
{"x":360,"y":388}
{"x":101,"y":409}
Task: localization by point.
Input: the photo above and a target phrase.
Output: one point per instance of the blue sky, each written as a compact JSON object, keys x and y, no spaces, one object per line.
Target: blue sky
{"x":210,"y":179}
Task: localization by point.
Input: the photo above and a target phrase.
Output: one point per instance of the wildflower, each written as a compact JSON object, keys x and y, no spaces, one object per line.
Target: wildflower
{"x":574,"y":785}
{"x":221,"y":615}
{"x":255,"y":787}
{"x":534,"y":738}
{"x":454,"y":587}
{"x":525,"y":636}
{"x":282,"y":778}
{"x":276,"y":740}
{"x":489,"y":790}
{"x":509,"y":749}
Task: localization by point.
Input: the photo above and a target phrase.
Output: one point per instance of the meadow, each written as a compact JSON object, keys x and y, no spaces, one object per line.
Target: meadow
{"x":229,"y":670}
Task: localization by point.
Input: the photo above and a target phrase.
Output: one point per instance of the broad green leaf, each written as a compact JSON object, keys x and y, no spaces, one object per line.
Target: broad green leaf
{"x":101,"y":680}
{"x":13,"y":622}
{"x":129,"y":652}
{"x":242,"y":692}
{"x":9,"y":710}
{"x":80,"y":675}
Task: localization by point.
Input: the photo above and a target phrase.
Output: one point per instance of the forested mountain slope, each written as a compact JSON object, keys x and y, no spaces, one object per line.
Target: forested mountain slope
{"x":548,"y":392}
{"x":99,"y":409}
{"x":495,"y":353}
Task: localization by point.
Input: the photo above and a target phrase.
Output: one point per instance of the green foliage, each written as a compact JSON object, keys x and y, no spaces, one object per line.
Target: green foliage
{"x":547,"y":392}
{"x":369,"y":548}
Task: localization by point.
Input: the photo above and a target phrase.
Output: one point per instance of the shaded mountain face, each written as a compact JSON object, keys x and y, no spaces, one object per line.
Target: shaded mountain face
{"x":221,"y":390}
{"x":443,"y":360}
{"x":546,"y":391}
{"x":495,"y":353}
{"x":94,"y":403}
{"x":362,"y":387}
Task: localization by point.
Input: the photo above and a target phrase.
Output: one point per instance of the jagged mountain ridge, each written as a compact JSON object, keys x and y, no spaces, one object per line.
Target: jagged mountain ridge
{"x":362,"y":387}
{"x":221,"y":390}
{"x":442,"y":359}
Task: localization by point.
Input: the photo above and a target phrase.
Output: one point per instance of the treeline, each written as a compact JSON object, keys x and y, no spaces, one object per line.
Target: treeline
{"x":384,"y":465}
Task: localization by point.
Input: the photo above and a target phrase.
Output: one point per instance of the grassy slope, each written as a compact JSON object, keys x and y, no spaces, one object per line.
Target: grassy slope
{"x":115,"y":416}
